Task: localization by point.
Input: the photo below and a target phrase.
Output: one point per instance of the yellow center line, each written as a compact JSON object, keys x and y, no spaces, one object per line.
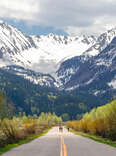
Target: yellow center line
{"x":63,"y":151}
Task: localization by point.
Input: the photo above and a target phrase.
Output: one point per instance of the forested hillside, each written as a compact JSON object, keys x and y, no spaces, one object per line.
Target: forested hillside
{"x":34,"y":99}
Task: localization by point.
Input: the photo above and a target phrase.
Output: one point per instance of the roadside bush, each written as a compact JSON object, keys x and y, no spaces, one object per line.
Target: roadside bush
{"x":100,"y":121}
{"x":19,"y":128}
{"x":30,"y":127}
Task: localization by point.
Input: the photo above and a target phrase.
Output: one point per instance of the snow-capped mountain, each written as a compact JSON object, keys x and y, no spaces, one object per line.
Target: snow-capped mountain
{"x":12,"y":43}
{"x":79,"y":64}
{"x":60,"y":48}
{"x":102,"y":41}
{"x":59,"y":61}
{"x":95,"y":76}
{"x":40,"y":53}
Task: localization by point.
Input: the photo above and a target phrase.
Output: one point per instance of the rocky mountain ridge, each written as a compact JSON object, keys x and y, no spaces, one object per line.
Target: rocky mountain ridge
{"x":59,"y":61}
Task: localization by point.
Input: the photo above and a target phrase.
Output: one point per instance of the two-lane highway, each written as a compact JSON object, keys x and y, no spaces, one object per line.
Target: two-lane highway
{"x":66,"y":143}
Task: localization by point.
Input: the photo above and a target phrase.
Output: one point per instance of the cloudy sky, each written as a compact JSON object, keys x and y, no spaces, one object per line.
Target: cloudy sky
{"x":71,"y":17}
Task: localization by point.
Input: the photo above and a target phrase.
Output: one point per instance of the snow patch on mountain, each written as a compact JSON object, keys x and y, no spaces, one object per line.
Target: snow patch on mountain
{"x":32,"y":76}
{"x":112,"y":84}
{"x":101,"y":43}
{"x":61,"y":48}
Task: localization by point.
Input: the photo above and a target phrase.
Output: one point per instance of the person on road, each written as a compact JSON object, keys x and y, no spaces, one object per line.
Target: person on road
{"x":68,"y":129}
{"x":60,"y":129}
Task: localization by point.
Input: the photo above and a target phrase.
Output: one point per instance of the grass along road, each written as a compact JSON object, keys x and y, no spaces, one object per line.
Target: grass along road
{"x":96,"y":138}
{"x":10,"y":146}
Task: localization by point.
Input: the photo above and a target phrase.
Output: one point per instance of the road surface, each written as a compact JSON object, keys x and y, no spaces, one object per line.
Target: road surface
{"x":66,"y":143}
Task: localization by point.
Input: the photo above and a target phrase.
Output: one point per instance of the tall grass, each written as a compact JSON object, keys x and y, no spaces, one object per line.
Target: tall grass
{"x":20,"y":128}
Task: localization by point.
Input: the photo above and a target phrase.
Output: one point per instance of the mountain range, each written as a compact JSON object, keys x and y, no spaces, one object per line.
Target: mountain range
{"x":85,"y":64}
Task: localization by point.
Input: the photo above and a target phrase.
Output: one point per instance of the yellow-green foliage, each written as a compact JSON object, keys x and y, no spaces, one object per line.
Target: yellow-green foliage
{"x":49,"y":118}
{"x":100,"y":121}
{"x":18,"y":128}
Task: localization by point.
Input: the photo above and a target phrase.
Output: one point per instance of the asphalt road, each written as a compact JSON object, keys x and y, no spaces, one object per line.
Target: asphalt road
{"x":56,"y":143}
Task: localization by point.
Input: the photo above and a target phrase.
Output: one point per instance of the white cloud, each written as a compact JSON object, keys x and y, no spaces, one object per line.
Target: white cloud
{"x":100,"y":25}
{"x":77,"y":16}
{"x":19,"y":9}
